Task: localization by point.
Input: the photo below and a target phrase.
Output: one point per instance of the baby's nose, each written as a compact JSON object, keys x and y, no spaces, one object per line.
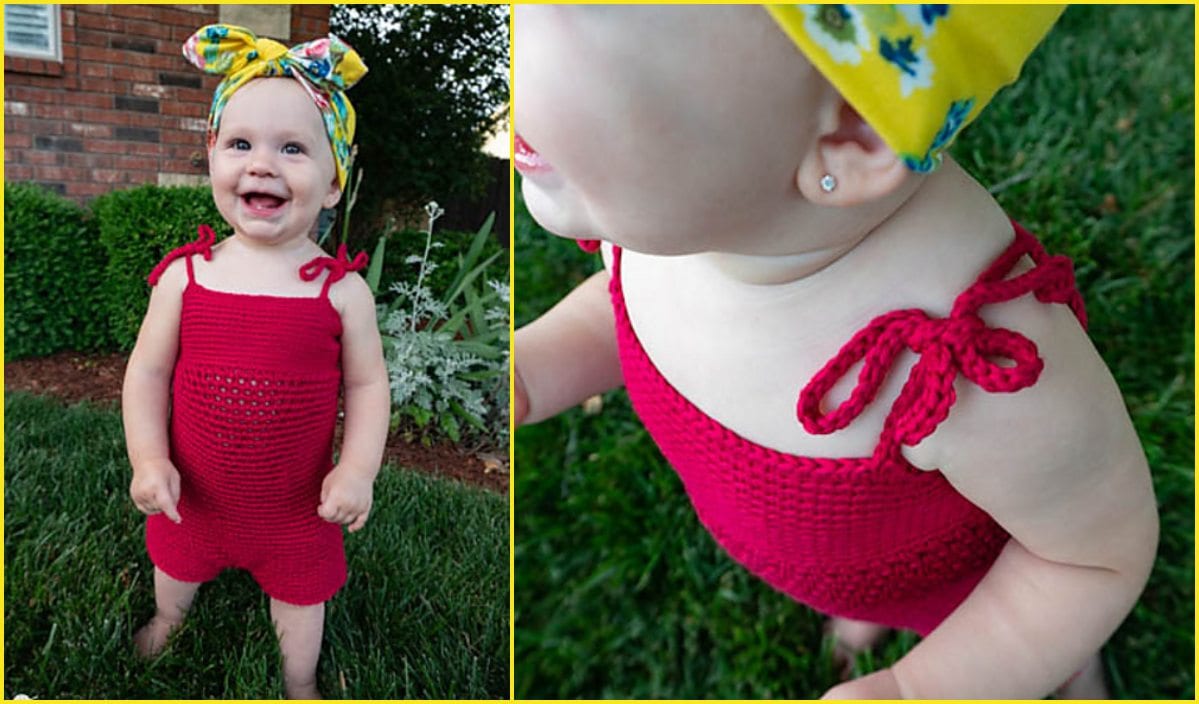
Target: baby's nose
{"x":262,"y":163}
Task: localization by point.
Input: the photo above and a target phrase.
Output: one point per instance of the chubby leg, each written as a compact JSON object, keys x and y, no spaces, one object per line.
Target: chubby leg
{"x":851,"y":637}
{"x":1087,"y":683}
{"x":300,"y":629}
{"x":172,"y":599}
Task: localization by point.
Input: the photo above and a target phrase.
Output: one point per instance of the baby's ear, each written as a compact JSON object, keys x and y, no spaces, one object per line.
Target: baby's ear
{"x":863,"y":168}
{"x":333,"y":197}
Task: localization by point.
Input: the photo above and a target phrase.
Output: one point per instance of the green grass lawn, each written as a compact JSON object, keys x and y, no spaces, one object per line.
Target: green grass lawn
{"x":619,"y":590}
{"x":423,"y":615}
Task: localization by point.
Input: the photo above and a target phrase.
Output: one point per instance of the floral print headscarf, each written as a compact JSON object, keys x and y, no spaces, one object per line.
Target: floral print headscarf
{"x":325,"y":67}
{"x":917,"y":74}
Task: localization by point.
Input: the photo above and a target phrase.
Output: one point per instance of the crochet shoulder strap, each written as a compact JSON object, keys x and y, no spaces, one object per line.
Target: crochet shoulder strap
{"x":338,"y":267}
{"x":959,"y":344}
{"x":202,"y":245}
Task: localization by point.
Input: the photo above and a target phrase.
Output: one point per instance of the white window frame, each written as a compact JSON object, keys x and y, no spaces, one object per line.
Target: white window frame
{"x":53,"y":28}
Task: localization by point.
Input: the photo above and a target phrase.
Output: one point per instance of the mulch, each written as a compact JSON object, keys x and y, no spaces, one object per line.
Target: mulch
{"x":72,"y":378}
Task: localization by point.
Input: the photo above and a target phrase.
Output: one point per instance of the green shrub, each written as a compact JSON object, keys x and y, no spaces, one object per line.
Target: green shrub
{"x":137,"y":228}
{"x":53,"y":268}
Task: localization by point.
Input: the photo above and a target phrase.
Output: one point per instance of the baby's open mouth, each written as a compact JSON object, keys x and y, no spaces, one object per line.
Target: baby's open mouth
{"x":527,"y":160}
{"x":262,"y":202}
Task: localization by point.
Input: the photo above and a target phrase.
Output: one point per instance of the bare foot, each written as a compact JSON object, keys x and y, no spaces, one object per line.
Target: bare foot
{"x":851,"y":637}
{"x":152,"y":637}
{"x":1087,"y":683}
{"x":301,"y":690}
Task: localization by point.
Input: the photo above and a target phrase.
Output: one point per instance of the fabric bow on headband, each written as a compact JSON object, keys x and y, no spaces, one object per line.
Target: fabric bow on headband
{"x":325,"y":67}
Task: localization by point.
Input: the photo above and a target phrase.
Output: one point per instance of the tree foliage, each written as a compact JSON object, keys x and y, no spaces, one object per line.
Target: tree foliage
{"x":436,"y":86}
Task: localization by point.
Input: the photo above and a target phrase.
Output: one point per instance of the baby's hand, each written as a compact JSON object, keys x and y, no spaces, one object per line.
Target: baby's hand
{"x":877,"y":685}
{"x":155,"y":489}
{"x":346,"y":497}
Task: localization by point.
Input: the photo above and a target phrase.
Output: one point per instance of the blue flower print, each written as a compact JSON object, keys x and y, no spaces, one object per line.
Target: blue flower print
{"x":923,"y":16}
{"x":930,"y":13}
{"x":900,"y":53}
{"x":916,"y":71}
{"x":922,"y":165}
{"x":319,"y":68}
{"x":216,"y":33}
{"x":955,"y":118}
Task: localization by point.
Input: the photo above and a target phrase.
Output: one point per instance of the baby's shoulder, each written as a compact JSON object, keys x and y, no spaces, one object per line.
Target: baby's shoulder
{"x":1071,"y":418}
{"x":352,"y":285}
{"x":1058,"y":463}
{"x":351,"y":293}
{"x":172,"y":278}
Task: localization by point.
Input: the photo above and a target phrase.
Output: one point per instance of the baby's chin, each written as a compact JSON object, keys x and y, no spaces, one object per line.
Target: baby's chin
{"x":562,"y":212}
{"x":558,"y":210}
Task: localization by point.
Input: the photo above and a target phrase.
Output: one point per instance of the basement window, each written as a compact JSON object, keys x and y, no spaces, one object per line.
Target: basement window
{"x":33,"y":31}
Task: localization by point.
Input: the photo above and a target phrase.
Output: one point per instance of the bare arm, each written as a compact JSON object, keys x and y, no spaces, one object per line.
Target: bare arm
{"x":347,"y":492}
{"x":145,"y":398}
{"x":1059,"y":466}
{"x":568,"y":354}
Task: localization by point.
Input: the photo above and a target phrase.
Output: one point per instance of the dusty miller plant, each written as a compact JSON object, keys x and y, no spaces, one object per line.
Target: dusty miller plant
{"x":446,"y":354}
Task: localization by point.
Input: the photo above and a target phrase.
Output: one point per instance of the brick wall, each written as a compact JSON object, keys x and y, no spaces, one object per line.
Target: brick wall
{"x":309,"y":22}
{"x":123,"y":107}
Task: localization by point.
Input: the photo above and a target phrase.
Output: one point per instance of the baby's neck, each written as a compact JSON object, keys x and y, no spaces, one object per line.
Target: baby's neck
{"x":947,"y":199}
{"x":776,"y":269}
{"x":295,"y":245}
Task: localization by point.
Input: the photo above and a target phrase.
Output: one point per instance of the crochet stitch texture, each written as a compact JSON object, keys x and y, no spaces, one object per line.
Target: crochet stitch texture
{"x":253,"y":407}
{"x":870,"y":538}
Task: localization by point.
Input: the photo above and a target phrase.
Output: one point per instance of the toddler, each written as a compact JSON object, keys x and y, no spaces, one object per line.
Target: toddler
{"x":876,"y":388}
{"x":231,"y":392}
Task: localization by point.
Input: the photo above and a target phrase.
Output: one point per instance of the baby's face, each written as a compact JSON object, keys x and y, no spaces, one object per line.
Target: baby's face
{"x":271,"y":164}
{"x":666,"y":129}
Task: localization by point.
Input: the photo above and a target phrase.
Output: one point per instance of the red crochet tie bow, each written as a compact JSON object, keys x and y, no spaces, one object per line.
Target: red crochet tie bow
{"x":1051,"y":281}
{"x":202,"y":245}
{"x":947,"y":346}
{"x":338,"y":266}
{"x":961,"y":343}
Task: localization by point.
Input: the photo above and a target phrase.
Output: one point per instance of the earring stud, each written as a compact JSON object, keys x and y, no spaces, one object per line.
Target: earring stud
{"x":828,"y":183}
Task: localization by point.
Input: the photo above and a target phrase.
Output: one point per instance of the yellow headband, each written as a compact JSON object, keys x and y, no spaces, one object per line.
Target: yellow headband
{"x":325,"y":68}
{"x":917,"y":74}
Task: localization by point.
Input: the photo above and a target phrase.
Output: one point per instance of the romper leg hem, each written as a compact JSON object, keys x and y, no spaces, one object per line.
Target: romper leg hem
{"x":309,"y":598}
{"x":165,"y":544}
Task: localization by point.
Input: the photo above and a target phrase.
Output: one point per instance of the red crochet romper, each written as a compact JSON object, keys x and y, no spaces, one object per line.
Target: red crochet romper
{"x":869,"y":538}
{"x":253,"y":406}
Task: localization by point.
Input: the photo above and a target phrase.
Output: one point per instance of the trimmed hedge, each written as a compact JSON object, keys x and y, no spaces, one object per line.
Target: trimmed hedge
{"x":137,"y":228}
{"x":77,"y":281}
{"x":53,"y":270}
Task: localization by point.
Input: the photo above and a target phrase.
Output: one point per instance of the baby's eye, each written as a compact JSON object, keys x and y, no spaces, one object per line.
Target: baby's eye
{"x":239,"y":144}
{"x":293,"y":148}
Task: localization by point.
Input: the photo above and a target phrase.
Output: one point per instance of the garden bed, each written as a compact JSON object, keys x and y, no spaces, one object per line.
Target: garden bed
{"x":73,"y":377}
